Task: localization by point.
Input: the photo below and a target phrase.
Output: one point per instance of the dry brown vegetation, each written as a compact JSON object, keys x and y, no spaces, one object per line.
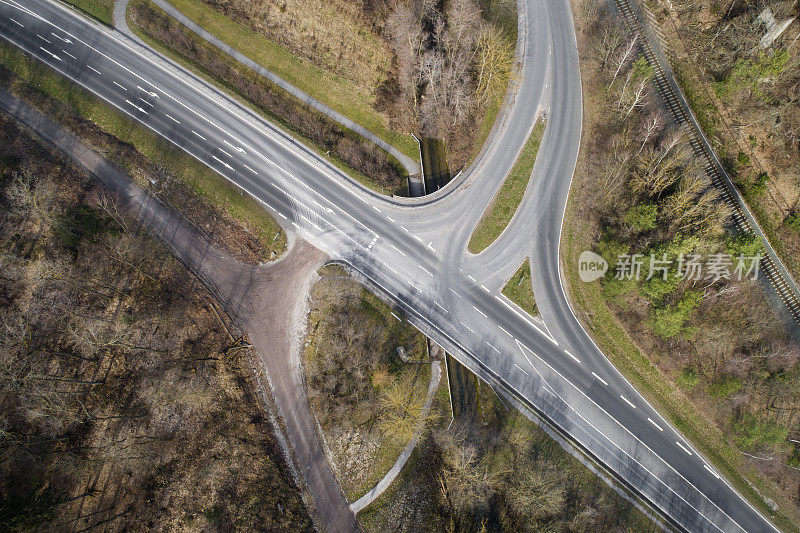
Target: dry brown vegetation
{"x":747,"y":98}
{"x":358,"y":154}
{"x":498,"y":472}
{"x":124,"y":393}
{"x":368,"y":401}
{"x":720,"y":341}
{"x":452,"y":59}
{"x":432,"y":67}
{"x":339,"y":36}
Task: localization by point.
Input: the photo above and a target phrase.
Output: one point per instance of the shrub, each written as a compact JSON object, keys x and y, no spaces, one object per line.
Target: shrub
{"x":668,"y":320}
{"x":688,"y":378}
{"x":753,"y":434}
{"x":642,"y":217}
{"x":725,"y":387}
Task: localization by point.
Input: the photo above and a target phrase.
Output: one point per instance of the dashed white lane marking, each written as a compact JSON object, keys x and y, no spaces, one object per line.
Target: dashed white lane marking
{"x":601,"y":380}
{"x":417,"y":237}
{"x":404,"y":228}
{"x":224,"y":152}
{"x":42,"y":38}
{"x":250,"y":169}
{"x":575,"y":358}
{"x":520,"y":369}
{"x":656,"y":425}
{"x":472,"y":279}
{"x":395,"y":272}
{"x":492,"y":346}
{"x":198,"y":135}
{"x":70,"y":55}
{"x":454,"y":292}
{"x":481,"y":312}
{"x":440,"y":306}
{"x":376,"y":209}
{"x":398,"y":250}
{"x":466,"y":326}
{"x":426,"y":271}
{"x":118,"y":85}
{"x":17,"y":23}
{"x":390,"y":219}
{"x":682,"y":447}
{"x":627,"y":401}
{"x":145,"y":101}
{"x":501,"y":328}
{"x":430,"y":245}
{"x":712,"y":472}
{"x":397,"y":317}
{"x":94,"y":69}
{"x":173,"y":119}
{"x":484,"y":288}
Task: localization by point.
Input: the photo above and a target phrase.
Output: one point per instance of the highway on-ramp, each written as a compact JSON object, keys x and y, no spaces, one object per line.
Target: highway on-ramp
{"x":414,"y":250}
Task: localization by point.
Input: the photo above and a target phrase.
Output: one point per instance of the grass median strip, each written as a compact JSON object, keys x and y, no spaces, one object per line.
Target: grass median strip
{"x":335,"y":91}
{"x":206,"y":183}
{"x":505,"y":203}
{"x":519,"y":289}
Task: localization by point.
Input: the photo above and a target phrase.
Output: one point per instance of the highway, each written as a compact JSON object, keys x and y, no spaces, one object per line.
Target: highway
{"x":414,"y":250}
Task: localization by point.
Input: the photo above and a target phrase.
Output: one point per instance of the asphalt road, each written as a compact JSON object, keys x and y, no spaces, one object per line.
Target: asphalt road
{"x":415,"y":249}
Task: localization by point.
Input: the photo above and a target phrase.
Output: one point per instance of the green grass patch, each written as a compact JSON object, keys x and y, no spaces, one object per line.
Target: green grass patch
{"x":519,"y":289}
{"x":503,"y":206}
{"x":333,"y":90}
{"x":204,"y":181}
{"x":102,"y":10}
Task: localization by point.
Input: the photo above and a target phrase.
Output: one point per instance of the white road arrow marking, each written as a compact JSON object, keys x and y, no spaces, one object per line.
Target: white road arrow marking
{"x":237,"y":148}
{"x":136,"y":106}
{"x":223,"y":162}
{"x":45,"y":50}
{"x":151,"y":93}
{"x":59,"y":37}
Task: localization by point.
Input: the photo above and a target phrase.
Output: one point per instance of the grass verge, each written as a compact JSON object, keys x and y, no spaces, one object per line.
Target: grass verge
{"x":504,"y":204}
{"x":355,"y":156}
{"x":202,"y":180}
{"x":102,"y":10}
{"x":331,"y":89}
{"x":519,"y":289}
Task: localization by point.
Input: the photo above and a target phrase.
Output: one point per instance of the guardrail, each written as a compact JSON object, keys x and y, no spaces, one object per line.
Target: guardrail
{"x":641,"y":22}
